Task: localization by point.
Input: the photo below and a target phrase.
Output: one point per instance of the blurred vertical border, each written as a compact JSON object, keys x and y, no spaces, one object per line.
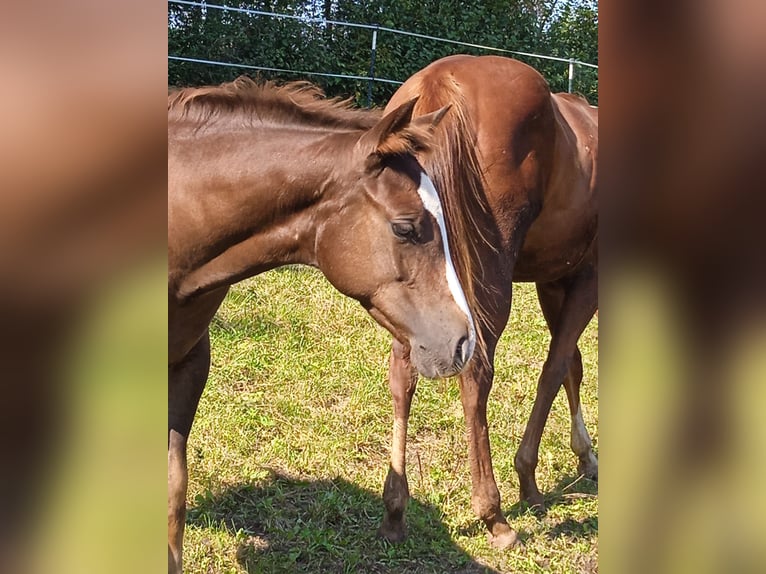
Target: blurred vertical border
{"x":83,"y":216}
{"x":683,"y":336}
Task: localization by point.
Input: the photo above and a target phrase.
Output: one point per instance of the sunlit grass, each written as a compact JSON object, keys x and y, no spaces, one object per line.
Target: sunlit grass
{"x":290,"y":446}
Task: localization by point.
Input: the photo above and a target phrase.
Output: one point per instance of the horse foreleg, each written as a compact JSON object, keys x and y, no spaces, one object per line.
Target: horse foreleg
{"x":402,"y":380}
{"x":578,"y":306}
{"x":177,"y":484}
{"x":185,"y":383}
{"x":475,"y":385}
{"x":580,"y":440}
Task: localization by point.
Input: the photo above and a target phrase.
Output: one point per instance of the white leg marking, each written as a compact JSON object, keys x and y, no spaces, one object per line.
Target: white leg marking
{"x":432,"y":203}
{"x":582,"y":446}
{"x":399,"y":446}
{"x":580,"y":442}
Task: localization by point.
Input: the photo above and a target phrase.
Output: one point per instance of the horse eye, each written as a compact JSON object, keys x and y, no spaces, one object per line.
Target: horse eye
{"x":405,"y":231}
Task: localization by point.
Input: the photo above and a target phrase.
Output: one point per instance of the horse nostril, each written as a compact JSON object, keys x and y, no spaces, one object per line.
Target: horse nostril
{"x":461,"y":351}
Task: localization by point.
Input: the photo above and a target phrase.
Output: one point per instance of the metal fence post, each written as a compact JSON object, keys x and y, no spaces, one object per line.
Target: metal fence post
{"x":372,"y":66}
{"x":571,"y":73}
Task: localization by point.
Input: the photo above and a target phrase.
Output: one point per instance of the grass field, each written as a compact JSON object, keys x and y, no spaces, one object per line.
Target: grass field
{"x":290,"y":446}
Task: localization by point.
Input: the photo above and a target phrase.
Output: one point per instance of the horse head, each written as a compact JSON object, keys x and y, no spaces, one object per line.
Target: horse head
{"x":384,"y":243}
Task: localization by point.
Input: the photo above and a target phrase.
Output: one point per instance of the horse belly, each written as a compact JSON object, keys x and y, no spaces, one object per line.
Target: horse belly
{"x":556,"y":245}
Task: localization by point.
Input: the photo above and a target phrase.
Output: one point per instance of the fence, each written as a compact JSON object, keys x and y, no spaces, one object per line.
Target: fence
{"x":371,"y":78}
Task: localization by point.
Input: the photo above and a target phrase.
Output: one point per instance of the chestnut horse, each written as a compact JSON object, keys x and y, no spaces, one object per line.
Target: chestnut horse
{"x":261,"y":176}
{"x":519,"y":163}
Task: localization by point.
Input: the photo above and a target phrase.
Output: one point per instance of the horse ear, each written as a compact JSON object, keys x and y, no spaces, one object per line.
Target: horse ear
{"x":387,"y":136}
{"x":429,"y":122}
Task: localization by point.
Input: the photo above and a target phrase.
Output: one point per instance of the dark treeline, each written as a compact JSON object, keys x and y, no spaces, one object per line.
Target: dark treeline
{"x":564,"y":28}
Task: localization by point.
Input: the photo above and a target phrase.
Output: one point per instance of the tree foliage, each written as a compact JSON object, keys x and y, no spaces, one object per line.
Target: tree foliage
{"x":564,"y":28}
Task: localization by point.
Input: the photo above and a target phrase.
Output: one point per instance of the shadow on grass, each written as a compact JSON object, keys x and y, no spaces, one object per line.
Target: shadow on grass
{"x":568,"y":491}
{"x":284,"y":524}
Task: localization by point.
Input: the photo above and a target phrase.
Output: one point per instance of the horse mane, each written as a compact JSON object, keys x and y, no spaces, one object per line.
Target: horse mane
{"x":454,"y":168}
{"x":298,"y":103}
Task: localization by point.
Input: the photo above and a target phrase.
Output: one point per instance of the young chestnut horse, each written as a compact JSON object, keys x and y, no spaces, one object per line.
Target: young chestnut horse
{"x":516,"y":165}
{"x":261,"y":176}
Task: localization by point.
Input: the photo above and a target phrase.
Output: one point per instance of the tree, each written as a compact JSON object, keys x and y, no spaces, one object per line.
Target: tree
{"x":565,"y":28}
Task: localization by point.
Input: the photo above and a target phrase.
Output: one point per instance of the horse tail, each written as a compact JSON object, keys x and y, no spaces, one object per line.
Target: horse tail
{"x":453,"y":165}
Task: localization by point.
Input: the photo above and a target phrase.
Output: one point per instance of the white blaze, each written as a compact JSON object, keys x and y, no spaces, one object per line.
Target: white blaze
{"x":433,"y":204}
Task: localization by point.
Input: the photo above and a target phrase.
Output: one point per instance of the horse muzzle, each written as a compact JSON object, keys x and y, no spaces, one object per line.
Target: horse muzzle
{"x":440,"y":361}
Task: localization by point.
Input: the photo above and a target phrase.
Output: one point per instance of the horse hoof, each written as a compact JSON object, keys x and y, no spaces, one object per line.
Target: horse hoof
{"x":589,"y":467}
{"x":505,"y":541}
{"x":535,"y":502}
{"x":393,"y":532}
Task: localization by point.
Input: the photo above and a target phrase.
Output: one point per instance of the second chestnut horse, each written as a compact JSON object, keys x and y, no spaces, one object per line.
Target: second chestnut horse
{"x":518,"y":166}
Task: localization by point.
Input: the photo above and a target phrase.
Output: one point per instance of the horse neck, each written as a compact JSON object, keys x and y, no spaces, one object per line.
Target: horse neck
{"x":257,"y":208}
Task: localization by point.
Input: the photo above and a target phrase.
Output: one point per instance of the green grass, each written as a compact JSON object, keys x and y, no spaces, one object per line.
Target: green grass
{"x":290,"y":446}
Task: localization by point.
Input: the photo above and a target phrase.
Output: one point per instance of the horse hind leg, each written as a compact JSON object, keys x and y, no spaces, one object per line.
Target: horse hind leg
{"x":576,"y":302}
{"x":580,"y":440}
{"x":186,"y":380}
{"x":402,"y":380}
{"x":551,"y":300}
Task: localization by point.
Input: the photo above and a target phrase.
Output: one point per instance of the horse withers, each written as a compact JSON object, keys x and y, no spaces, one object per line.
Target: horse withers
{"x":261,"y":176}
{"x":515,"y":166}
